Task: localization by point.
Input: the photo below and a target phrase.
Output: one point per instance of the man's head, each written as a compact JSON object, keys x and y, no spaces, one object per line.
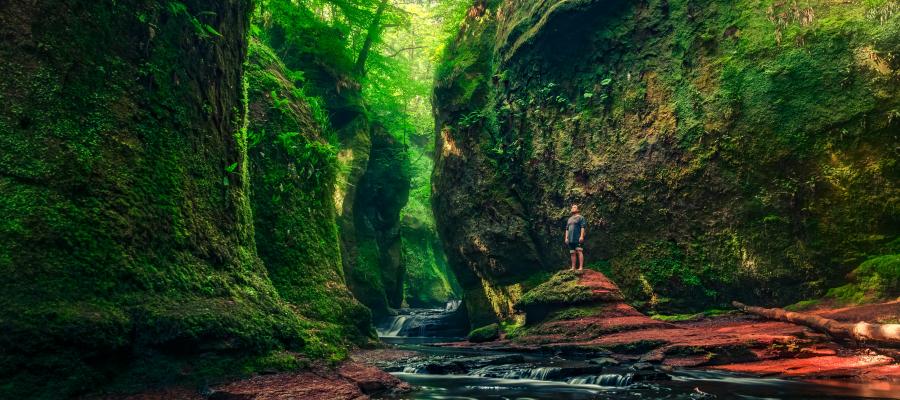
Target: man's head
{"x":574,"y":208}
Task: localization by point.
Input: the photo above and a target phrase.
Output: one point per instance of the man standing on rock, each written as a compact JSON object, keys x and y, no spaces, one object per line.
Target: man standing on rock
{"x":574,"y":238}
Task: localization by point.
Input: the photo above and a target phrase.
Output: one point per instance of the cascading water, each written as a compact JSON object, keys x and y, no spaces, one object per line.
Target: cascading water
{"x":542,"y":373}
{"x":446,"y":322}
{"x":452,"y":305}
{"x":611,"y":380}
{"x":394,"y":328}
{"x":448,"y":373}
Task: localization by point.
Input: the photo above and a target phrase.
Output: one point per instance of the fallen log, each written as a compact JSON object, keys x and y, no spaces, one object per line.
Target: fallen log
{"x":888,"y":334}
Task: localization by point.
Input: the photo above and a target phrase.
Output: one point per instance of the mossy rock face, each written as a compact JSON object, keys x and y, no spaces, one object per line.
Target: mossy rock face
{"x":377,"y":276}
{"x":372,"y":181}
{"x":293,"y":168}
{"x":736,"y":151}
{"x":428,"y":281}
{"x":485,"y":333}
{"x":127,"y":237}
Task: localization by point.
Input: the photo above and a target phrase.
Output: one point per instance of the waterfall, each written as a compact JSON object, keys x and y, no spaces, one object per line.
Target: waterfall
{"x":452,"y":305}
{"x":395,"y":327}
{"x":541,"y":373}
{"x":444,"y":322}
{"x":613,"y":380}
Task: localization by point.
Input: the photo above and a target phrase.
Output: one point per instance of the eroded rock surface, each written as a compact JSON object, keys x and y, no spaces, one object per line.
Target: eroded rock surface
{"x":735,"y":151}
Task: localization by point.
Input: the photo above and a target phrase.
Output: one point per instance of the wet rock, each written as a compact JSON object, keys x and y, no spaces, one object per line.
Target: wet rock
{"x":701,"y":395}
{"x":370,"y":380}
{"x":604,"y":361}
{"x":561,"y":373}
{"x":650,"y":375}
{"x":506,"y":359}
{"x":465,"y":364}
{"x":642,"y":366}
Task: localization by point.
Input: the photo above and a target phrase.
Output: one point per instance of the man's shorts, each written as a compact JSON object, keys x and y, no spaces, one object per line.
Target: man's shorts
{"x":575,"y":246}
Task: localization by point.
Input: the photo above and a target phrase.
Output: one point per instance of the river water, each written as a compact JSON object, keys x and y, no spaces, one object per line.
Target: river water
{"x":684,"y":384}
{"x":463,"y":374}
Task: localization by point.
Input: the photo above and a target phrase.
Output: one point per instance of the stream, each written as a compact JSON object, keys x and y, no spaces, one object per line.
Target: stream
{"x":463,"y":374}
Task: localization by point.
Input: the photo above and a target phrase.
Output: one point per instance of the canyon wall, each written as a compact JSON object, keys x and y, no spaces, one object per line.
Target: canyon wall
{"x":133,"y":214}
{"x":719,"y":150}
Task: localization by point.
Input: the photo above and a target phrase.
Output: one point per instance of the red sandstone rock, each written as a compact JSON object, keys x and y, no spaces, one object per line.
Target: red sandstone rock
{"x":350,"y":381}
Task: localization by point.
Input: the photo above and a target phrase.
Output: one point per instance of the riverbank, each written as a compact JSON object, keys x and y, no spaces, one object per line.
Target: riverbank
{"x":350,"y":380}
{"x":607,"y":326}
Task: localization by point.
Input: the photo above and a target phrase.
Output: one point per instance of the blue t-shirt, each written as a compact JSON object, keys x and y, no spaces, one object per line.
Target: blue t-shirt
{"x":574,"y":226}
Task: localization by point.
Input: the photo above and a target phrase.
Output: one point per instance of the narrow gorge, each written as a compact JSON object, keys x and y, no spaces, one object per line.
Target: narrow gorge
{"x":330,"y":199}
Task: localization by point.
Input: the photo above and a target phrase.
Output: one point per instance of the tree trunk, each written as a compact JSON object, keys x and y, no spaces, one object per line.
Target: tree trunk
{"x":861,"y":331}
{"x":374,"y":27}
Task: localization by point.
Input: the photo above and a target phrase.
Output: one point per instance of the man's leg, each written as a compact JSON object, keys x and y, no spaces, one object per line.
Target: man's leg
{"x":580,"y":258}
{"x":574,"y":258}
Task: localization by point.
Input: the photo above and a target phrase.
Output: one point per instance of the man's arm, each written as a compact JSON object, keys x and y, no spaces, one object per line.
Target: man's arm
{"x":581,"y":238}
{"x":566,"y":236}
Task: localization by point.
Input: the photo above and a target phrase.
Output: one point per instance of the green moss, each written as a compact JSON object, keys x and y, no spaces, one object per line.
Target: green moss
{"x":575,"y":313}
{"x":876,"y":279}
{"x":428,"y":281}
{"x":485,"y":333}
{"x":803,"y":305}
{"x":129,"y":258}
{"x":292,"y":168}
{"x":512,"y":329}
{"x":691,"y":317}
{"x":562,"y":288}
{"x":382,"y":192}
{"x":740,"y":152}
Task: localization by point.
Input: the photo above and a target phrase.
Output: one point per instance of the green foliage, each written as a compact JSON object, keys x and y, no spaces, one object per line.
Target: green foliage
{"x":666,"y":276}
{"x":201,"y":29}
{"x":340,"y":28}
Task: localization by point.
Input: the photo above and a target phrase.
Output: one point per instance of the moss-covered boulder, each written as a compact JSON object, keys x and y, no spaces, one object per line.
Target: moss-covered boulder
{"x":127,"y":244}
{"x":572,"y":288}
{"x":736,"y":149}
{"x":485,"y":333}
{"x":568,"y":290}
